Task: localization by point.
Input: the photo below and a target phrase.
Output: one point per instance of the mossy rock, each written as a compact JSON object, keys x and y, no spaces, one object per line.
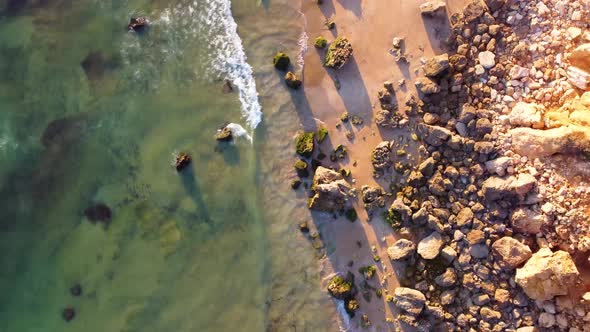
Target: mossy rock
{"x":338,"y":153}
{"x":339,"y":52}
{"x":340,"y":288}
{"x":281,"y":61}
{"x":379,"y":293}
{"x":330,"y":24}
{"x":295,"y":184}
{"x":292,"y":81}
{"x":351,"y":306}
{"x":345,"y":172}
{"x":394,"y":219}
{"x":322,"y":134}
{"x":320,"y":42}
{"x":368,"y":271}
{"x":344,"y":117}
{"x":304,"y":144}
{"x":301,"y":168}
{"x":351,"y":215}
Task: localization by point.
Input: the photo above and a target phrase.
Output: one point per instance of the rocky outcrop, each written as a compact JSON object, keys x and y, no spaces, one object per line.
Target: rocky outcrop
{"x":339,"y":52}
{"x":535,"y":143}
{"x":510,"y":253}
{"x":433,"y":8}
{"x":426,"y":86}
{"x":381,"y":157}
{"x":330,"y":191}
{"x":547,"y":274}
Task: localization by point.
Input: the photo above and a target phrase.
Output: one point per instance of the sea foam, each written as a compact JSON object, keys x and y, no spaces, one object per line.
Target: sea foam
{"x":229,"y":58}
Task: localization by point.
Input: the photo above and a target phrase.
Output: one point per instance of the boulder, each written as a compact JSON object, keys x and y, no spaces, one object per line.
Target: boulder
{"x":436,"y":66}
{"x":281,"y":61}
{"x":330,"y":191}
{"x":340,"y":288}
{"x":381,"y":157}
{"x":498,"y":166}
{"x":510,"y":253}
{"x":372,"y":197}
{"x":547,"y":274}
{"x":433,"y":8}
{"x":224,"y":134}
{"x":426,"y":86}
{"x":447,"y":278}
{"x":527,"y":221}
{"x":487,"y":59}
{"x":304,"y":144}
{"x":292,"y":80}
{"x":430,"y":246}
{"x":182,"y":161}
{"x":496,"y":188}
{"x":409,"y":300}
{"x":401,"y":210}
{"x":339,"y":52}
{"x":527,"y":115}
{"x":434,"y":135}
{"x":98,"y":213}
{"x":402,"y":249}
{"x":474,"y":10}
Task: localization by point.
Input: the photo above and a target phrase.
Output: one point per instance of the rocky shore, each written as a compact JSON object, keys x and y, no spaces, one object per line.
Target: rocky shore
{"x":490,"y":213}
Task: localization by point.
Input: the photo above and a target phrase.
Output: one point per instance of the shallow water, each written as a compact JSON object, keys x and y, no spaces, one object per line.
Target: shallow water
{"x":92,"y":114}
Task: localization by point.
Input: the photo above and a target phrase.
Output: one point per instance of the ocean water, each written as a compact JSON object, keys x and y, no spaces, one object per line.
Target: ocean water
{"x":91,"y":113}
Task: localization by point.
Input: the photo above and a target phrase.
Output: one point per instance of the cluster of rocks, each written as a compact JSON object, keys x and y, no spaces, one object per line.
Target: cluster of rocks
{"x":481,"y":222}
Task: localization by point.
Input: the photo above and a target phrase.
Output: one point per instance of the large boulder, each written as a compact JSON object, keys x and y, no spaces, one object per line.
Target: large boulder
{"x":510,"y":253}
{"x":409,"y":300}
{"x":509,"y":188}
{"x":426,"y":86}
{"x":434,"y":135}
{"x":547,"y":274}
{"x":436,"y":66}
{"x":433,"y":8}
{"x":330,"y":191}
{"x":430,"y":246}
{"x":402,"y":249}
{"x":339,"y":52}
{"x":340,"y":288}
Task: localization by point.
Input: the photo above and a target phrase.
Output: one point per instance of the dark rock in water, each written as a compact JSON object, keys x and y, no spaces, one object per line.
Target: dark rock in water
{"x":224,"y":134}
{"x":98,"y":213}
{"x":281,"y":61}
{"x":339,"y":52}
{"x":227,"y":87}
{"x":292,"y":81}
{"x":94,"y":65}
{"x":303,"y":227}
{"x":301,"y":168}
{"x":63,"y":131}
{"x":295,"y":184}
{"x":137,"y":24}
{"x":76,"y":290}
{"x":68,"y":314}
{"x":182,"y":161}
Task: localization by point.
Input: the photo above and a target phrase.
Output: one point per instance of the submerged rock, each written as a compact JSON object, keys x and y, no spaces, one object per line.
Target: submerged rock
{"x":137,"y":24}
{"x":339,"y":52}
{"x":182,"y":161}
{"x":68,"y":314}
{"x":292,"y":81}
{"x":76,"y":290}
{"x":98,"y":213}
{"x":330,"y":191}
{"x":547,"y":274}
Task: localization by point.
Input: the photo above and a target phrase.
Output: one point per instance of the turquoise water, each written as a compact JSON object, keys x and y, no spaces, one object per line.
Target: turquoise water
{"x":90,"y":113}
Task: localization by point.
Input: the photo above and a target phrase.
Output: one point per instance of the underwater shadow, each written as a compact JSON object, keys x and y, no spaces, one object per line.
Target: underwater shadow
{"x":192,"y":187}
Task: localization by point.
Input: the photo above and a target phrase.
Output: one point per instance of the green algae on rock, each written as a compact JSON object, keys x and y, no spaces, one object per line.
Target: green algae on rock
{"x":281,"y":61}
{"x":292,"y":80}
{"x":368,"y":271}
{"x":351,"y":306}
{"x":322,"y":134}
{"x":338,"y":153}
{"x":304,"y":144}
{"x":301,"y":168}
{"x":340,"y":288}
{"x":339,"y":52}
{"x":320,"y":42}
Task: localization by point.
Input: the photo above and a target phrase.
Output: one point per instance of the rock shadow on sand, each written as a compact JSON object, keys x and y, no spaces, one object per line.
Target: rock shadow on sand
{"x":352,"y":89}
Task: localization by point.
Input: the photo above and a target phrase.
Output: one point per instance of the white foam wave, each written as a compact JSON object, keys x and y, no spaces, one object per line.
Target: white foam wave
{"x":303,"y":39}
{"x":230,"y":59}
{"x":239,"y":131}
{"x":344,"y":321}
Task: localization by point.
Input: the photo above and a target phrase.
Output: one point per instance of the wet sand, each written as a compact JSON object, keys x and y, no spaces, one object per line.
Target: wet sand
{"x":370,"y":26}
